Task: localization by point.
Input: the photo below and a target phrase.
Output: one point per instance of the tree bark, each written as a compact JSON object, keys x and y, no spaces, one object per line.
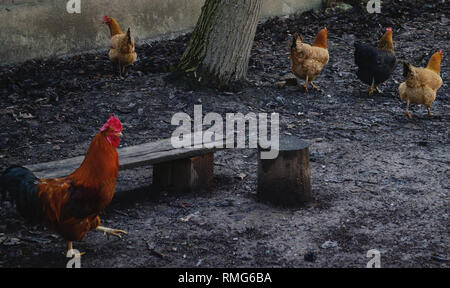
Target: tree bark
{"x":219,"y":49}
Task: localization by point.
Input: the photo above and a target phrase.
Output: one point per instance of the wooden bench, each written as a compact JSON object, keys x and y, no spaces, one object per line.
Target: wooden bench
{"x":284,"y":180}
{"x":174,"y":169}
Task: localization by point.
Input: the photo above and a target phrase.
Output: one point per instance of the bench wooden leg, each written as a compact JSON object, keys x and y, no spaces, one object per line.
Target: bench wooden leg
{"x":185,"y":175}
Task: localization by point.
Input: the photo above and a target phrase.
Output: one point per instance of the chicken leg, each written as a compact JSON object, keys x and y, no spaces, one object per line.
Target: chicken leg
{"x":407,"y":112}
{"x":314,"y":86}
{"x":110,"y":232}
{"x":429,"y":111}
{"x":371,"y":88}
{"x":306,"y":84}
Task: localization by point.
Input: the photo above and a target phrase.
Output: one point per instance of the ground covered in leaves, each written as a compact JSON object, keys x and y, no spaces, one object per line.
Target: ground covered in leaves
{"x":380,"y":181}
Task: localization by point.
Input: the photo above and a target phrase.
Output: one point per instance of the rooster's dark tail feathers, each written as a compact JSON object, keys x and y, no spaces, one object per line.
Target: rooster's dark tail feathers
{"x":22,"y":187}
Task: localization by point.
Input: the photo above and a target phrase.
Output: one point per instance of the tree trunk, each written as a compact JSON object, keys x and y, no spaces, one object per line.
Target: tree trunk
{"x":219,"y":49}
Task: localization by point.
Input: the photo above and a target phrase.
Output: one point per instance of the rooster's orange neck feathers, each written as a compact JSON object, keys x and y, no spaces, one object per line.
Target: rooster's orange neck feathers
{"x":100,"y":164}
{"x":321,"y":39}
{"x":114,"y":27}
{"x":435,"y":62}
{"x":386,"y":41}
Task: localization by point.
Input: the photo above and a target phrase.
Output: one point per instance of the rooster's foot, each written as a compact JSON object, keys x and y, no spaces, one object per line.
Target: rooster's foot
{"x":72,"y":252}
{"x":110,"y":232}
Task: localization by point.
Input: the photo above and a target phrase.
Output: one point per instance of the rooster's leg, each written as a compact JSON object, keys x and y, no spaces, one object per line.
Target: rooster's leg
{"x":69,"y":248}
{"x":108,"y":231}
{"x":407,"y":112}
{"x":71,"y":252}
{"x":314,"y":86}
{"x":306,"y":84}
{"x":429,"y":111}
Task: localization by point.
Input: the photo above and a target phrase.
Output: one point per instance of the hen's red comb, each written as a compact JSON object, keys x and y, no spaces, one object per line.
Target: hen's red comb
{"x":440,"y":51}
{"x":389,"y":29}
{"x":114,"y":123}
{"x":106,"y":18}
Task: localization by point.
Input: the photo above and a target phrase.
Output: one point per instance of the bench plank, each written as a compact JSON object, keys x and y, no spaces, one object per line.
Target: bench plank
{"x":129,"y":157}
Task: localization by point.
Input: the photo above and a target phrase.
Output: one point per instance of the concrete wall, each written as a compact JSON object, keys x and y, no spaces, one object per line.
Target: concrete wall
{"x":42,"y":28}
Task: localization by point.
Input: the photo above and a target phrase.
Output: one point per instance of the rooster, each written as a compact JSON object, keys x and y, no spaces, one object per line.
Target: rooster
{"x":375,"y":65}
{"x":71,"y":205}
{"x":121,"y":52}
{"x":308,"y":61}
{"x":421,"y":84}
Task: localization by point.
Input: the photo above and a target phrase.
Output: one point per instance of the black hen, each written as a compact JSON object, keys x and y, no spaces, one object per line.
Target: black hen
{"x":376,"y":64}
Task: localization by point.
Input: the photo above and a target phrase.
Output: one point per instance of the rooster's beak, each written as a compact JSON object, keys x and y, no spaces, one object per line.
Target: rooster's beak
{"x":119,"y":134}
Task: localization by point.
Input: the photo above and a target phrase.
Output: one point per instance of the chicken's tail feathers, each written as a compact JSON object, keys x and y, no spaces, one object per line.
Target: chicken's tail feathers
{"x":359,"y":47}
{"x":407,"y":69}
{"x":129,"y":36}
{"x":22,"y":187}
{"x":295,"y":38}
{"x":358,"y":51}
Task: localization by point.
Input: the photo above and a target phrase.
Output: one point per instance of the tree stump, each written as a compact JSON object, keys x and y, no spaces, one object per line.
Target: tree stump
{"x":286,"y":180}
{"x":185,"y":175}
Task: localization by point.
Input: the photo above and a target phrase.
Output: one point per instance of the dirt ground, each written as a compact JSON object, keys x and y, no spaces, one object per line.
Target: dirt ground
{"x":380,"y":181}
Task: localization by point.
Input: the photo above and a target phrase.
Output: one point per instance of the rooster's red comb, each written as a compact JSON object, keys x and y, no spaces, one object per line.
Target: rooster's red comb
{"x":113,"y":123}
{"x":389,"y":29}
